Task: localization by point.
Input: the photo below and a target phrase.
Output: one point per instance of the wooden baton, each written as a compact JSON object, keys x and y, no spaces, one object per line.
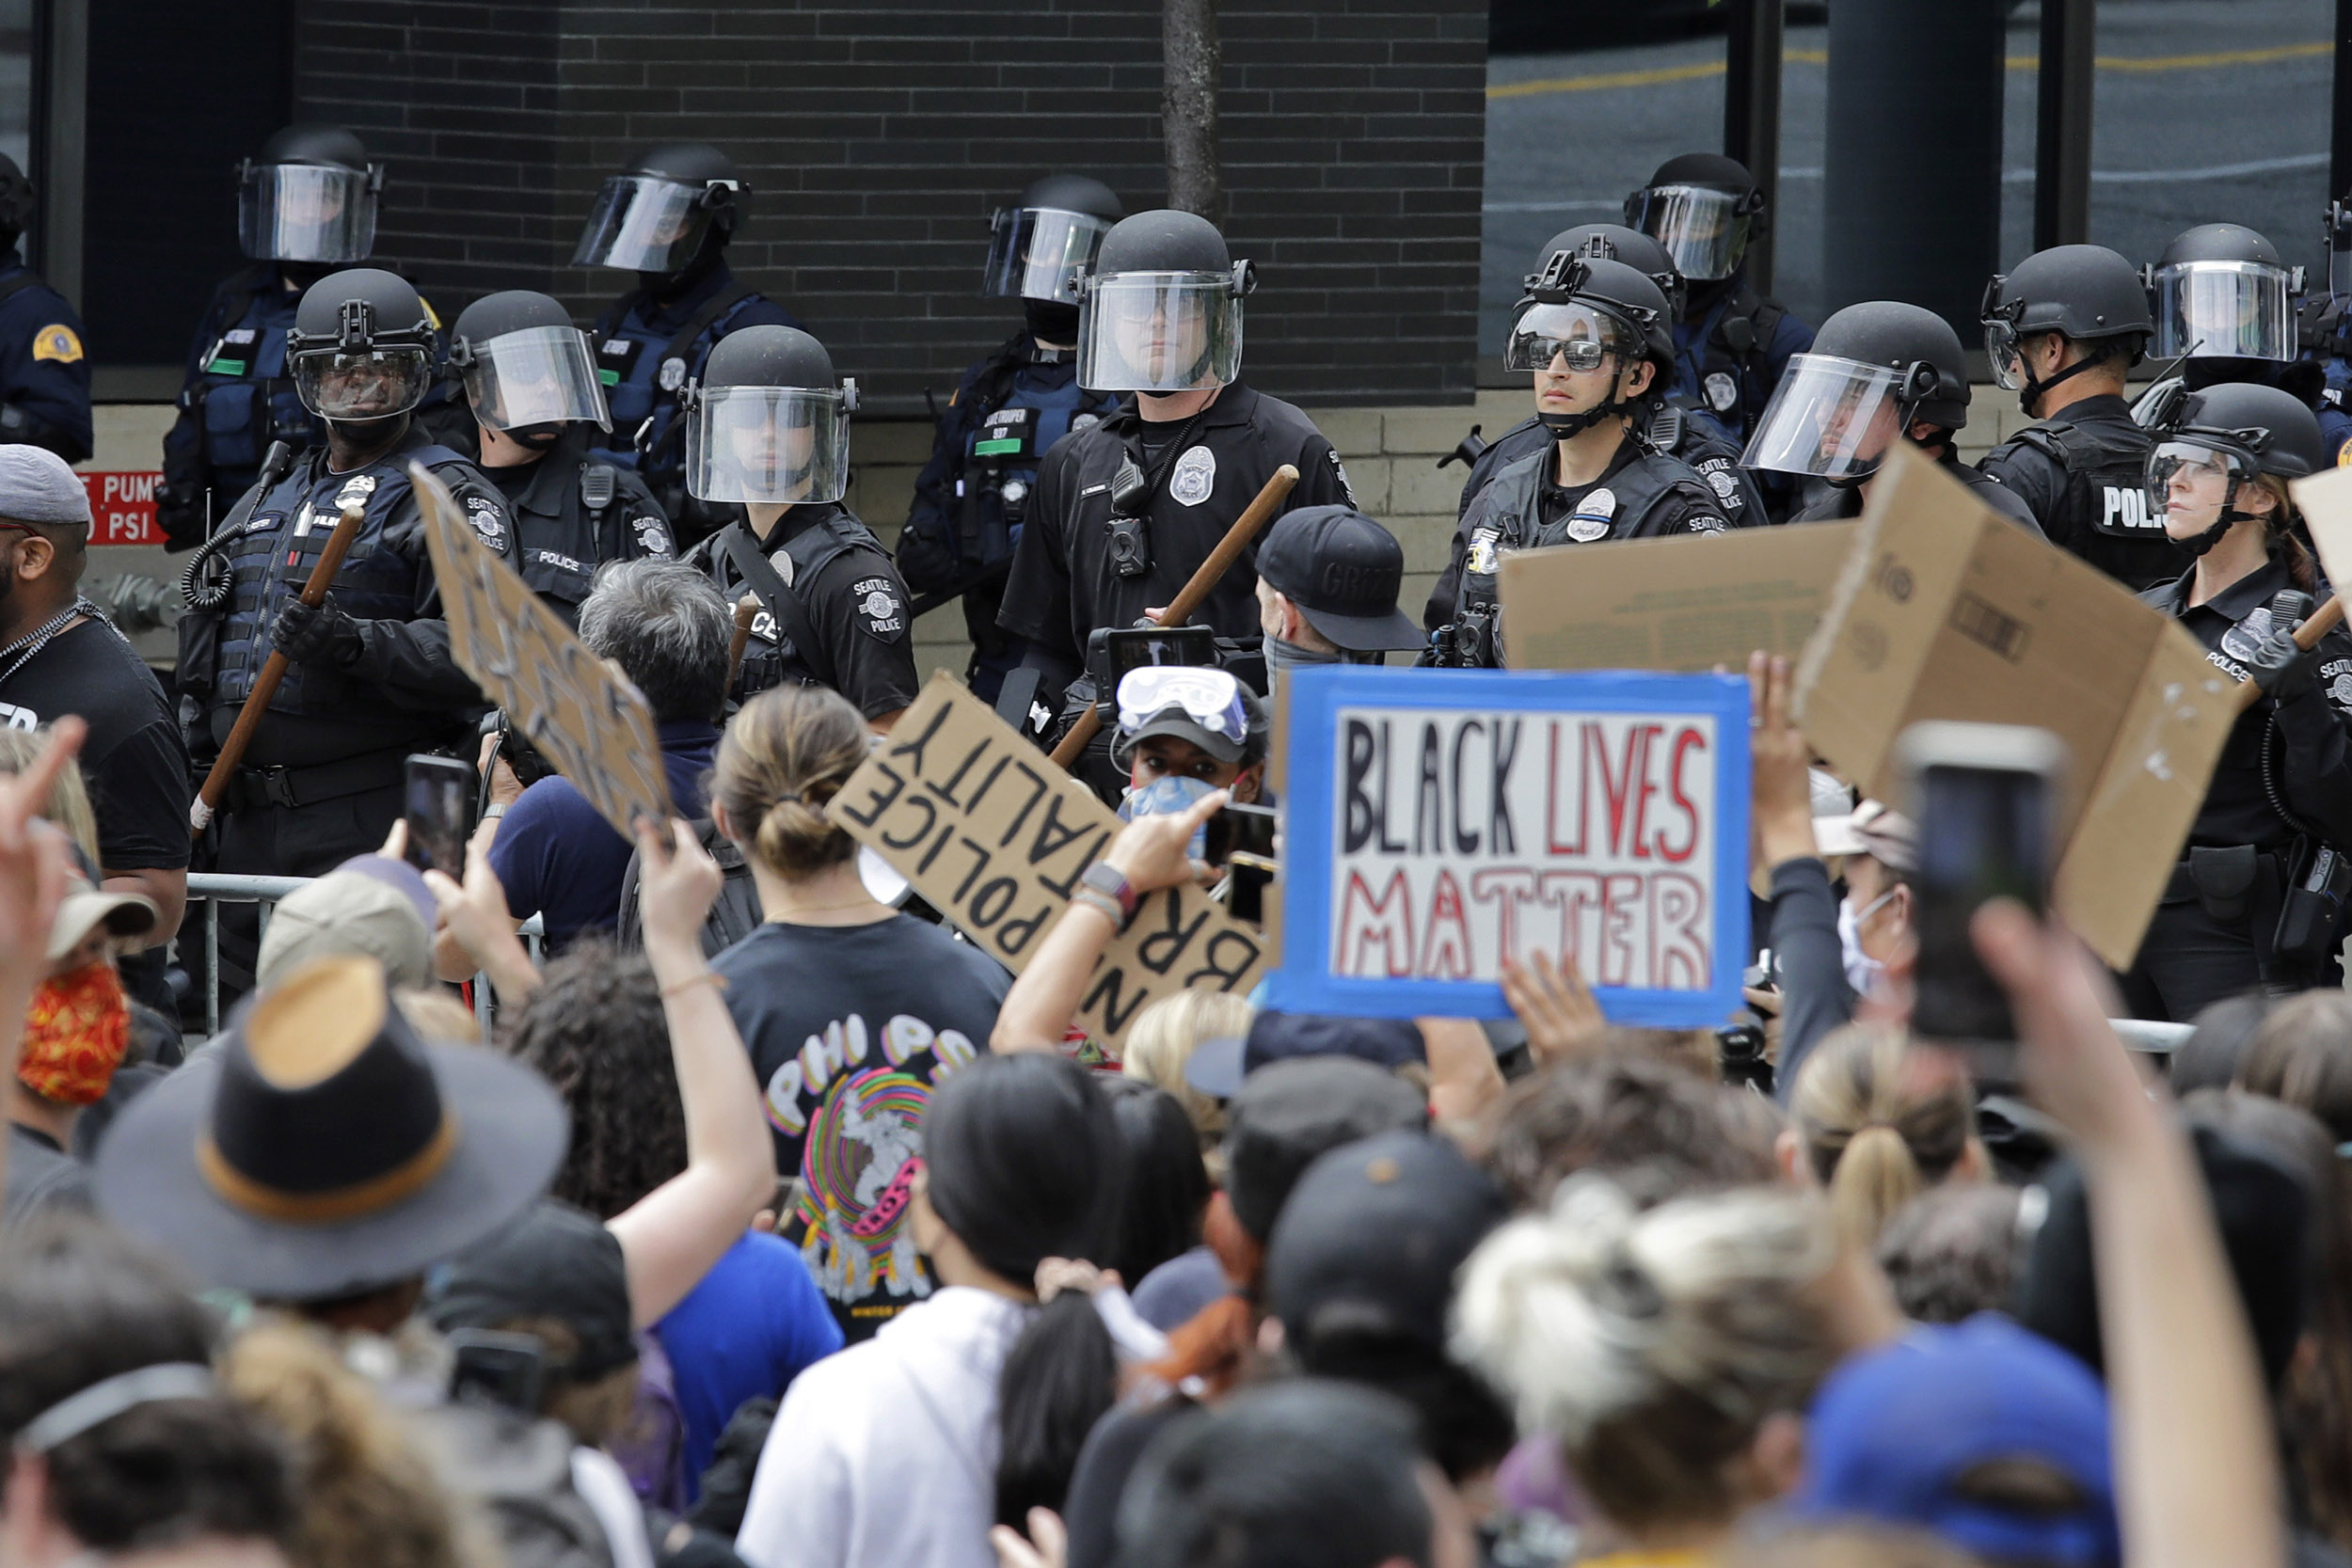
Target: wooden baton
{"x":2316,"y":625}
{"x":1179,"y":610}
{"x":256,"y":702}
{"x":746,"y":611}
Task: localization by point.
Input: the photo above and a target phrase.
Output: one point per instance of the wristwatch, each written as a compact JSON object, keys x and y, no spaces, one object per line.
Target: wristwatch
{"x":1108,"y":879}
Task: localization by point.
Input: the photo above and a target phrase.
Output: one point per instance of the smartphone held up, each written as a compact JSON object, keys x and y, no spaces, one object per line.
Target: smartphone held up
{"x":438,"y":802}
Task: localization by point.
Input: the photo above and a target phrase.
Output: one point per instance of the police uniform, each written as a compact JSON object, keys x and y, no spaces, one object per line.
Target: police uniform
{"x":1728,"y":359}
{"x":1673,"y":430}
{"x":972,"y":497}
{"x":2335,"y":412}
{"x":1826,"y":502}
{"x":2082,"y":473}
{"x":855,"y":607}
{"x":650,"y":345}
{"x":1639,"y":496}
{"x":235,"y":398}
{"x":574,"y":512}
{"x":2211,"y":935}
{"x":1202,"y":475}
{"x":44,"y":367}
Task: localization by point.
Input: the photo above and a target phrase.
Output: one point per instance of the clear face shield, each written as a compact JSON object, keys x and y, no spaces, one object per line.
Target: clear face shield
{"x":2189,"y":482}
{"x":1704,"y":228}
{"x":2235,"y":309}
{"x":1833,"y":417}
{"x":786,"y":445}
{"x":1572,"y":337}
{"x":1041,"y":253}
{"x":1160,"y":331}
{"x":644,"y":223}
{"x":360,"y":385}
{"x":540,"y":376}
{"x":307,"y":212}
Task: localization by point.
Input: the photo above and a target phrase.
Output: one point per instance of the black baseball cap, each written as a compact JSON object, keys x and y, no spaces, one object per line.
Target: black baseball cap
{"x":1292,"y":1113}
{"x":553,"y":1262}
{"x":1344,"y":571}
{"x":1372,"y":1236}
{"x":1218,"y":1065}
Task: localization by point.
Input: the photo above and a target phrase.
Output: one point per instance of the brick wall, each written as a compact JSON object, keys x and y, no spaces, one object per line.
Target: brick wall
{"x":878,"y":135}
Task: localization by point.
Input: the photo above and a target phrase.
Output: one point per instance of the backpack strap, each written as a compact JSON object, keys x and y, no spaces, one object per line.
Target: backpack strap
{"x":776,"y":596}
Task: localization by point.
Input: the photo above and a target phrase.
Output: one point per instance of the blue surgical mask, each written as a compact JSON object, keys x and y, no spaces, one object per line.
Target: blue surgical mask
{"x":1169,"y":797}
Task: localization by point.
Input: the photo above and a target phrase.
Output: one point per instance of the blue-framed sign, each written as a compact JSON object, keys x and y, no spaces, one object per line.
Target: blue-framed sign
{"x":1435,"y":819}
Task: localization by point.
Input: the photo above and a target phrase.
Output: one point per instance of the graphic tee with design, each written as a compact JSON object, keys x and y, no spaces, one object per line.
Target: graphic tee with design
{"x":850,"y":1029}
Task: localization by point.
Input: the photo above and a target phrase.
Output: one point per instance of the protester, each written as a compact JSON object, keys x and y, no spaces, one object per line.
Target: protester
{"x":1167,"y":1185}
{"x":1183,"y":732}
{"x":2216,"y":1042}
{"x":1162,"y":1039}
{"x":1654,"y":1128}
{"x":1878,"y":1122}
{"x":2301,"y":1053}
{"x":1327,"y":584}
{"x":377,"y":905}
{"x":36,"y":866}
{"x":1951,"y":1252}
{"x":852,"y":1010}
{"x":968,"y":1408}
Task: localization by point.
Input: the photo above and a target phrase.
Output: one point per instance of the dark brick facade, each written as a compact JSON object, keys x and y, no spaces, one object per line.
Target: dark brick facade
{"x":878,"y":135}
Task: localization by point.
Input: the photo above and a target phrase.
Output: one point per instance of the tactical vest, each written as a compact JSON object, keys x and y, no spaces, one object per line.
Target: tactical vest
{"x":576,"y":513}
{"x":271,"y":558}
{"x":243,"y":397}
{"x":2102,"y":514}
{"x":642,"y":373}
{"x":772,"y":657}
{"x":1734,"y":346}
{"x":1018,"y":409}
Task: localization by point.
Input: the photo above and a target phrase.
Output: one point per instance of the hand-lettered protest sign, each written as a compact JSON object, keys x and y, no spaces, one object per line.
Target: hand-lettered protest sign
{"x":995,"y":836}
{"x":1438,"y":821}
{"x":588,"y":721}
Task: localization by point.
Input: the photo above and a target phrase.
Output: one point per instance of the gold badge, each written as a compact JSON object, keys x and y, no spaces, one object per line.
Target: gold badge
{"x":58,"y":342}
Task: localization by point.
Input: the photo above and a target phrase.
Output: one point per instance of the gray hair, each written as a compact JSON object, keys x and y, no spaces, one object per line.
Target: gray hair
{"x":667,"y":626}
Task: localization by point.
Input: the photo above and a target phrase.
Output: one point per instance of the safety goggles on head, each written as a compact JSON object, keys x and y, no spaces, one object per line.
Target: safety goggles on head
{"x":307,"y":212}
{"x":1574,"y":332}
{"x":1161,"y":331}
{"x":538,"y":375}
{"x":1041,"y":253}
{"x":1704,"y":228}
{"x":1209,"y":698}
{"x":644,"y":223}
{"x":2195,"y":464}
{"x":1833,"y":417}
{"x":769,"y":444}
{"x":2233,"y":309}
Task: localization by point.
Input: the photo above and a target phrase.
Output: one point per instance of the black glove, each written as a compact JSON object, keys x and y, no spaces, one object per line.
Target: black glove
{"x":316,"y":635}
{"x":2283,"y":671}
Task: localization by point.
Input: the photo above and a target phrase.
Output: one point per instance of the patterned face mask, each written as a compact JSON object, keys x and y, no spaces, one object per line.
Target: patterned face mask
{"x":76,"y":1032}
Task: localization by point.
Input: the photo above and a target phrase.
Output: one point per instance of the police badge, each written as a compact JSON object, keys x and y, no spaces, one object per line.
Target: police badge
{"x":1722,"y":392}
{"x":1195,"y":477}
{"x":1593,"y":516}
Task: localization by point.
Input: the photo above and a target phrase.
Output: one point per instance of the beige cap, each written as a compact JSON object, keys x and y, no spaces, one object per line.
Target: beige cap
{"x":347,"y":912}
{"x":126,"y":914}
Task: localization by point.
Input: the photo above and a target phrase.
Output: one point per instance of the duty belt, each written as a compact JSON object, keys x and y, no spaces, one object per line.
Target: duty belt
{"x":290,"y":788}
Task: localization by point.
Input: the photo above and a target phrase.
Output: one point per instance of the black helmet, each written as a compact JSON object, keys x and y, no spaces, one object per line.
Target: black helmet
{"x":1042,"y":247}
{"x":1172,"y":267}
{"x":768,"y":422}
{"x":323,"y":146}
{"x":2272,"y":431}
{"x":2220,"y":292}
{"x":1894,"y":335}
{"x":1075,"y":192}
{"x":1614,"y":242}
{"x":308,"y":198}
{"x":525,"y":367}
{"x":657,"y":217}
{"x":2085,"y":291}
{"x":1703,"y":208}
{"x":361,"y":346}
{"x":1164,"y":240}
{"x":1842,"y":405}
{"x":1582,"y":309}
{"x":16,"y":199}
{"x":1625,"y":293}
{"x":769,"y":357}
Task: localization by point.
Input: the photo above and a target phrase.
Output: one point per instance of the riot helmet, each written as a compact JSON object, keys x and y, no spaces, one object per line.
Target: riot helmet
{"x":2086,"y":292}
{"x":2220,"y":292}
{"x":656,"y":217}
{"x":1041,"y":246}
{"x":769,"y":422}
{"x":1581,"y":310}
{"x":361,"y":346}
{"x":1614,"y":242}
{"x":2211,"y":444}
{"x":309,"y":196}
{"x":1874,"y":370}
{"x":1161,"y":312}
{"x":1703,"y":208}
{"x":527,"y":369}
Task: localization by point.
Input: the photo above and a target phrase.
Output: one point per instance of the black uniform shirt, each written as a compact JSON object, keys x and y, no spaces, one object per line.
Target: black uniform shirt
{"x":1827,"y":502}
{"x":1063,"y":584}
{"x":2310,"y":752}
{"x":559,"y":541}
{"x":854,"y":599}
{"x":2107,"y":519}
{"x":133,"y":759}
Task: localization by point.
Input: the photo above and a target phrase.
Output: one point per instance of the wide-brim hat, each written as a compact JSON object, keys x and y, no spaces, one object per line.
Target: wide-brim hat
{"x":126,"y":914}
{"x":325,"y":1149}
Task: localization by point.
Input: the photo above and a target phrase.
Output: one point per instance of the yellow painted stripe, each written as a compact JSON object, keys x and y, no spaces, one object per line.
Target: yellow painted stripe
{"x":1656,"y":75}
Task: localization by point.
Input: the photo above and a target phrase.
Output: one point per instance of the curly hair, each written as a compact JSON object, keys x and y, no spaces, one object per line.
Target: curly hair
{"x":595,"y":1030}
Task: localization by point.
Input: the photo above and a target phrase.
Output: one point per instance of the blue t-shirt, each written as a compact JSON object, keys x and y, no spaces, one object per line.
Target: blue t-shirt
{"x":744,"y":1333}
{"x":558,"y":857}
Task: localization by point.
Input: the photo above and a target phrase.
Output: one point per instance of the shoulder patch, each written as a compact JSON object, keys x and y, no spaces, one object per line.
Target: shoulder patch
{"x":1723,"y":477}
{"x":488,"y":520}
{"x":1339,"y":471}
{"x":1706,"y":522}
{"x":653,"y":535}
{"x":57,"y":341}
{"x":879,"y":607}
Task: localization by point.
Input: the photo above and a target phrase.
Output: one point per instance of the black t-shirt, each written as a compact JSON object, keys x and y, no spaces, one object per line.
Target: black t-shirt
{"x":1112,"y":1452}
{"x":134,"y":760}
{"x":849,"y":1027}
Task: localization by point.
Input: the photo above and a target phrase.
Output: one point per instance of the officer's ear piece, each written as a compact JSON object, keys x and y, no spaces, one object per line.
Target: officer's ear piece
{"x":1244,"y":279}
{"x":722,"y":199}
{"x":849,"y":394}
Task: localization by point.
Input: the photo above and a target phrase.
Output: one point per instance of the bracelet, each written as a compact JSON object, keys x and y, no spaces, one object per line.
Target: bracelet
{"x":494,"y":810}
{"x":1094,"y":898}
{"x":707,"y":977}
{"x":1112,"y":883}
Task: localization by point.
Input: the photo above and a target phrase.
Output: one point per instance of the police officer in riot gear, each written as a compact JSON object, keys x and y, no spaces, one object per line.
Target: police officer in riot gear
{"x":1672,"y":429}
{"x":668,"y":219}
{"x":44,"y":371}
{"x":1597,"y":337}
{"x":2326,"y":335}
{"x":305,"y":207}
{"x":767,"y":428}
{"x":2061,"y":329}
{"x":1876,"y":371}
{"x":1009,"y":409}
{"x":370,"y":677}
{"x":1731,"y":344}
{"x":2225,"y":307}
{"x":1126,"y":511}
{"x":531,"y":378}
{"x":2256,"y":897}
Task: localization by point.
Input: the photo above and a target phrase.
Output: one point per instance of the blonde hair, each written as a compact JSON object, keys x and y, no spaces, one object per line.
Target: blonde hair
{"x":1881,"y":1123}
{"x":1161,"y":1042}
{"x":1653,"y":1344}
{"x":784,"y":755}
{"x":68,"y":805}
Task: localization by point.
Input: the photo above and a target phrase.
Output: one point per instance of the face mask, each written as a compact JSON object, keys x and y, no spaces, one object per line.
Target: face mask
{"x":1862,"y":971}
{"x":1290,"y":656}
{"x":1166,"y":798}
{"x":76,"y":1032}
{"x":536,"y":437}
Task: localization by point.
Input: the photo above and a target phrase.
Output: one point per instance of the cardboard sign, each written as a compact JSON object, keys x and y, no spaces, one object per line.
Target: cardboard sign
{"x":1687,"y":603}
{"x":2324,"y":500}
{"x":1437,"y":820}
{"x":1947,"y":609}
{"x":995,"y":836}
{"x":589,"y":722}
